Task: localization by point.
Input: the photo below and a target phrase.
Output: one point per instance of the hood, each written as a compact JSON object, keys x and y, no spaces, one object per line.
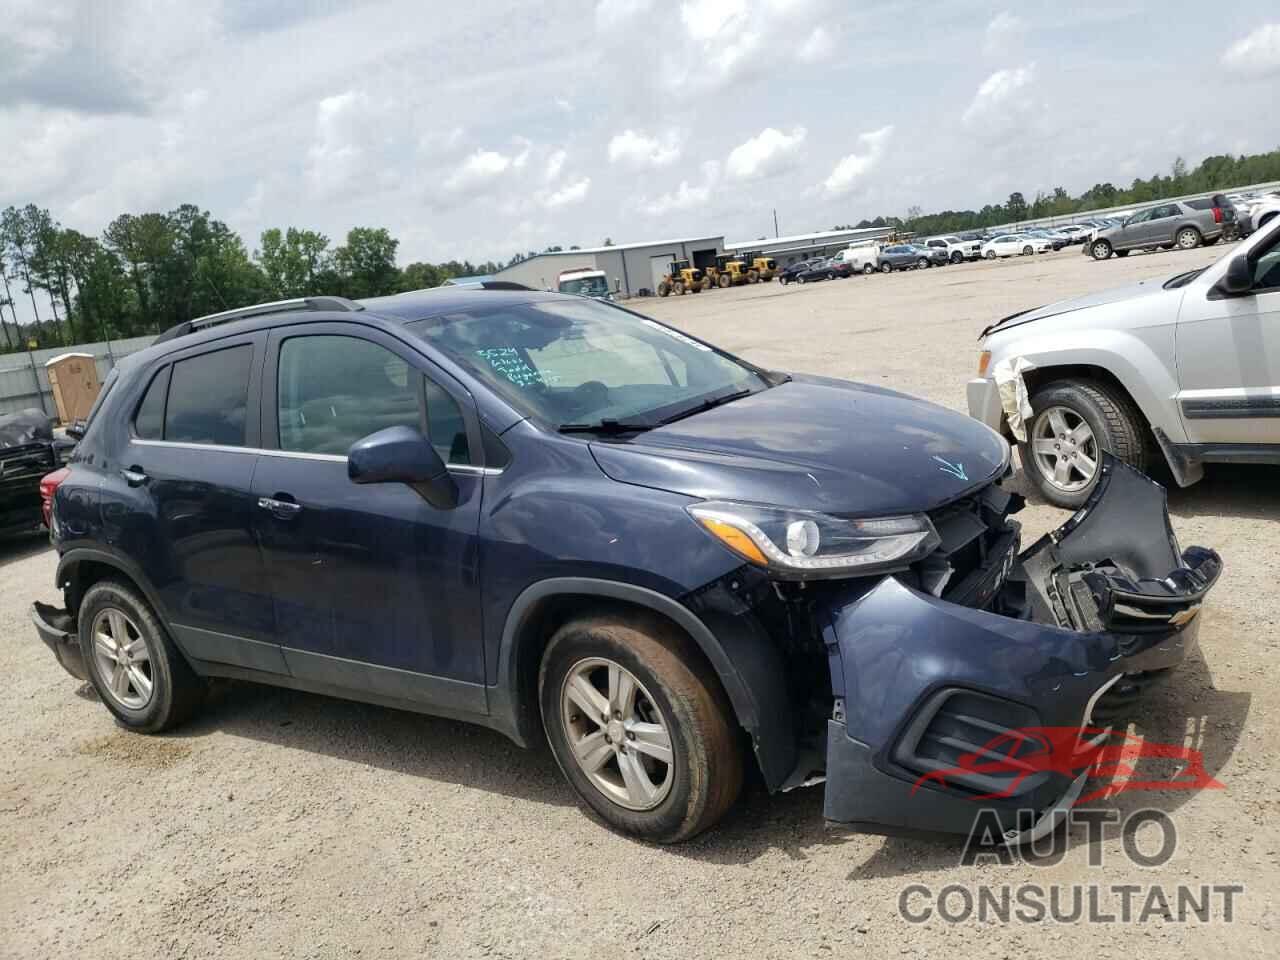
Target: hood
{"x":1142,"y":288}
{"x":815,"y":444}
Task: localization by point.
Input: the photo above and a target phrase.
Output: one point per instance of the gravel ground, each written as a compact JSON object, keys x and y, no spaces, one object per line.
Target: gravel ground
{"x":284,"y":824}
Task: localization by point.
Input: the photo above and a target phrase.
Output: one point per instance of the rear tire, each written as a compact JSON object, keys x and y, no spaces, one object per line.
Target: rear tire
{"x":1188,"y":238}
{"x":886,"y":268}
{"x":1027,"y":251}
{"x":799,"y":279}
{"x":923,"y":264}
{"x":664,"y":288}
{"x":1116,"y":425}
{"x":674,"y":694}
{"x":678,"y":288}
{"x":150,"y":686}
{"x":724,"y":281}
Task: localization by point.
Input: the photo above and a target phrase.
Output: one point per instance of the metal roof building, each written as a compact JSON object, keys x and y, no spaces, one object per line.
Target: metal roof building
{"x":804,"y":245}
{"x":630,"y":267}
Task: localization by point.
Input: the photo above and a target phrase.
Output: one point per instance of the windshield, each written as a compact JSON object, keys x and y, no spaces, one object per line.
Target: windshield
{"x":1182,"y":279}
{"x":586,"y":286}
{"x":581,"y":362}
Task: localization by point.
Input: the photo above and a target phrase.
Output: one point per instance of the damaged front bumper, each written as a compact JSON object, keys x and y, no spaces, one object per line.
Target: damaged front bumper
{"x":924,"y":687}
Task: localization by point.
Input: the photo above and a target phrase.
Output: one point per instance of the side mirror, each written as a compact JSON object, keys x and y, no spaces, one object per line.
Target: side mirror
{"x":403,"y":455}
{"x":1239,"y":276}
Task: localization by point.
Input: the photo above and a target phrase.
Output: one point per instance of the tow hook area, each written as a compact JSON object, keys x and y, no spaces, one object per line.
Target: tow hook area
{"x":929,"y":691}
{"x":58,"y":631}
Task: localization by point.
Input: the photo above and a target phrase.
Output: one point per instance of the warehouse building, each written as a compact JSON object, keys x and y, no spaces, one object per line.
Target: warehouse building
{"x":805,"y":245}
{"x":633,"y":269}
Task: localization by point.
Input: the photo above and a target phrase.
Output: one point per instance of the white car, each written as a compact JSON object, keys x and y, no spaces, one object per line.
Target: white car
{"x":1259,"y":213}
{"x":1075,"y":233}
{"x":863,"y":257}
{"x":957,"y":250}
{"x":1015,"y":245}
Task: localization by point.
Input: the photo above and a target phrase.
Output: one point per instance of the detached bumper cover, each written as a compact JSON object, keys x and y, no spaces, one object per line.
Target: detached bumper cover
{"x":923,"y":686}
{"x":58,"y":631}
{"x":984,"y":402}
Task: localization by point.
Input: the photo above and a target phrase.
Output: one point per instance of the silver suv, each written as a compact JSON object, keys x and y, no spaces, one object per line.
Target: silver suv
{"x":1184,"y":372}
{"x":1182,"y":223}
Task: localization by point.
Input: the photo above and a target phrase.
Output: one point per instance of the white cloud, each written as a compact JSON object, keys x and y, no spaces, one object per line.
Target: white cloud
{"x":569,"y":194}
{"x":612,"y":14}
{"x":479,"y":168}
{"x":638,"y":151}
{"x":818,"y":46}
{"x":1258,"y":54}
{"x":768,"y":153}
{"x":706,"y":19}
{"x":1000,"y":98}
{"x":564,"y":105}
{"x":334,"y":157}
{"x":847,"y":172}
{"x":555,"y":163}
{"x":1003,"y":33}
{"x":684,"y":197}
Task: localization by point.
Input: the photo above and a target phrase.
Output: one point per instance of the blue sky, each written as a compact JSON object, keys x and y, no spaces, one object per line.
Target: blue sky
{"x":483,"y":129}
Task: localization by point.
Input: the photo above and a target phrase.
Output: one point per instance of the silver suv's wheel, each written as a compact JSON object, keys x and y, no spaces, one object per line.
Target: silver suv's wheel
{"x":1188,"y":238}
{"x":640,"y":726}
{"x":1064,"y":449}
{"x":1073,"y":423}
{"x":1100,"y":249}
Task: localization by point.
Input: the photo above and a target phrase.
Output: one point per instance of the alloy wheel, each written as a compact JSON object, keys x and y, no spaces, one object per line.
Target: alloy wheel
{"x":123,"y":659}
{"x":617,"y":735}
{"x":1065,"y":449}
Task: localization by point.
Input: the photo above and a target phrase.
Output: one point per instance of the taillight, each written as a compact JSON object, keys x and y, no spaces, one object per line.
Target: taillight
{"x":1217,"y":214}
{"x":48,"y":484}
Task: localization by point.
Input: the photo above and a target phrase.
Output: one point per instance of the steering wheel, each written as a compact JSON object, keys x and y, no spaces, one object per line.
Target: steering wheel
{"x":589,"y":394}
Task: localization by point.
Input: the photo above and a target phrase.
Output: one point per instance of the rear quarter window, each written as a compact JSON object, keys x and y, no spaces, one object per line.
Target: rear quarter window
{"x":208,"y":396}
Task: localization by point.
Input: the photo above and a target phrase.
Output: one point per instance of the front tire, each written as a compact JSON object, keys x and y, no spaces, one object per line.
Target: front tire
{"x":990,"y":255}
{"x":1027,"y":251}
{"x":640,"y":726}
{"x":1073,"y":423}
{"x":886,"y":268}
{"x":1100,"y":250}
{"x":957,"y":257}
{"x":800,"y":279}
{"x":923,"y":264}
{"x":131,"y":661}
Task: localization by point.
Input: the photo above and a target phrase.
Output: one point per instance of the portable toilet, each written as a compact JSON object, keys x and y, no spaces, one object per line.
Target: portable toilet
{"x":73,"y":378}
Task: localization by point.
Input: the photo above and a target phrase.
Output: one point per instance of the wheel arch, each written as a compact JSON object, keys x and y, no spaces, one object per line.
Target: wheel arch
{"x":751,"y":679}
{"x":81,"y":567}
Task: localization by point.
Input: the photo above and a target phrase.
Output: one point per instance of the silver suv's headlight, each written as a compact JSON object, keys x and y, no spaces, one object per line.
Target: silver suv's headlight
{"x":805,"y":545}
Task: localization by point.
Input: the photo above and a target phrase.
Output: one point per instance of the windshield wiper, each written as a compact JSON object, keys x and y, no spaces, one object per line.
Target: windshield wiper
{"x":606,"y":426}
{"x":707,"y":404}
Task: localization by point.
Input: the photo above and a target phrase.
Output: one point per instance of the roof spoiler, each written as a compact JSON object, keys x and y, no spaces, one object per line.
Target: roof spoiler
{"x":338,"y":304}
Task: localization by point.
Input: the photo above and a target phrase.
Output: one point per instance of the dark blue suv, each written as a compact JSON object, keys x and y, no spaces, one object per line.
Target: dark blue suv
{"x":556,"y":517}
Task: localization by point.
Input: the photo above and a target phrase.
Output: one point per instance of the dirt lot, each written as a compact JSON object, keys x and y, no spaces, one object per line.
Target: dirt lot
{"x":282,"y":824}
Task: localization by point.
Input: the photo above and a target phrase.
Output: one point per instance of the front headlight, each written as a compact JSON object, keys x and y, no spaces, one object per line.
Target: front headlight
{"x":805,"y":545}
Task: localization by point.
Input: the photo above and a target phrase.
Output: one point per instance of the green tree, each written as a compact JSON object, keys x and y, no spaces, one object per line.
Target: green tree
{"x":1016,"y":208}
{"x":293,"y":261}
{"x":366,"y":263}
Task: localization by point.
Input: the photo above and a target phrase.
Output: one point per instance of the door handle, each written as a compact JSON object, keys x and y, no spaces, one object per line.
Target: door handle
{"x":134,"y":476}
{"x":281,"y":509}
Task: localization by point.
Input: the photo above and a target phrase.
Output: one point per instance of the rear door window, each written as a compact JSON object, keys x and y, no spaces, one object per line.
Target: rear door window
{"x":208,"y":396}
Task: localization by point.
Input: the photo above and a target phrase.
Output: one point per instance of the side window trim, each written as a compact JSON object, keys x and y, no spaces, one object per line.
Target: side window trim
{"x":418,"y":363}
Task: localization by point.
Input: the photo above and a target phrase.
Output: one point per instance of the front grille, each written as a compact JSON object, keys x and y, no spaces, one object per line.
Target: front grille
{"x":979,"y":544}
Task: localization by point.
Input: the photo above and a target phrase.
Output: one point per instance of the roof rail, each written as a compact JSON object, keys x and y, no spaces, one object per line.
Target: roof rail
{"x":339,"y":304}
{"x":502,"y":285}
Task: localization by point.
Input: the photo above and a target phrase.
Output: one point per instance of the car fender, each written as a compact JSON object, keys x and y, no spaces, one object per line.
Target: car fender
{"x":1140,"y":357}
{"x":746,"y":661}
{"x":68,"y":573}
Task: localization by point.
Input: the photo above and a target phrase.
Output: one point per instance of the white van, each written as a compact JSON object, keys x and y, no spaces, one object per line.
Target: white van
{"x":864,"y":256}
